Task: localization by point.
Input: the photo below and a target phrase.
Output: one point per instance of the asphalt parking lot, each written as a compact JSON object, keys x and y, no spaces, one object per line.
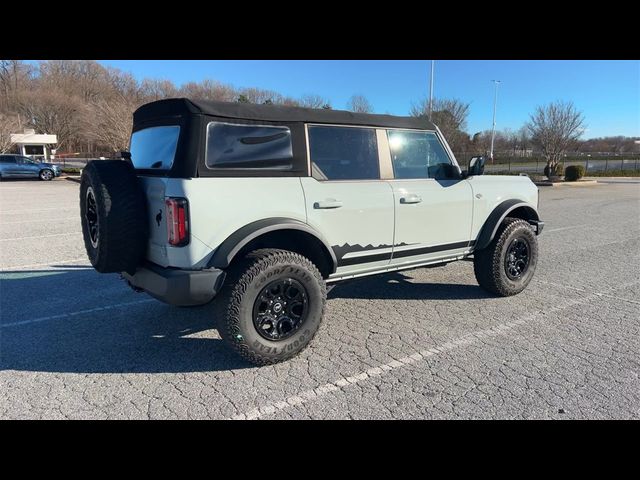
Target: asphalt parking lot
{"x":413,"y":345}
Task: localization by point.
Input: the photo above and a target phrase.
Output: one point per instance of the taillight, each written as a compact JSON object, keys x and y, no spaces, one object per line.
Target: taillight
{"x":177,"y":221}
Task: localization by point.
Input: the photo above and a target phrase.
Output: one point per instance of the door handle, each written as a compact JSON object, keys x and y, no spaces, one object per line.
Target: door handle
{"x":410,"y":199}
{"x":328,"y":204}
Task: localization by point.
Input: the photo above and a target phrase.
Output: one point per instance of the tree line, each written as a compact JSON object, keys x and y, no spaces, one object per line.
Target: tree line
{"x":89,"y":107}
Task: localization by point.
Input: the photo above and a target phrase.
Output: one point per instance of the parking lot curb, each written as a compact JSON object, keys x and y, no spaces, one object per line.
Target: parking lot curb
{"x":580,"y":183}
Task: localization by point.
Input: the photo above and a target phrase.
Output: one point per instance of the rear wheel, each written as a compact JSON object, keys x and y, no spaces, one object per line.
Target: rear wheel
{"x":507,"y":265}
{"x":46,"y":174}
{"x":271,"y":306}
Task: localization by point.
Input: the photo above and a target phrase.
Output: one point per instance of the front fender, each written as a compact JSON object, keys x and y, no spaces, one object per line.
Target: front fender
{"x":497,"y":216}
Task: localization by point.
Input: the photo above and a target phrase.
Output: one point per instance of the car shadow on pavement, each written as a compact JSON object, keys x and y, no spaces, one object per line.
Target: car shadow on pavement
{"x":132,"y":337}
{"x":397,"y":286}
{"x":140,"y":338}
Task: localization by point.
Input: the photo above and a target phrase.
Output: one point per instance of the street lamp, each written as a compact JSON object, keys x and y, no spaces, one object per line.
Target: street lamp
{"x":433,"y":62}
{"x":495,"y":104}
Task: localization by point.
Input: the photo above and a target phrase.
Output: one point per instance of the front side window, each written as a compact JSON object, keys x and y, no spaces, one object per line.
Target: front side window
{"x":419,"y":155}
{"x":344,"y":153}
{"x":154,"y":148}
{"x":249,"y":146}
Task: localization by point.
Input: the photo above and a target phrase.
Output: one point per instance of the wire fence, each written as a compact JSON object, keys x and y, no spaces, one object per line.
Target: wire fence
{"x":79,"y":160}
{"x":499,"y":165}
{"x":536,"y":165}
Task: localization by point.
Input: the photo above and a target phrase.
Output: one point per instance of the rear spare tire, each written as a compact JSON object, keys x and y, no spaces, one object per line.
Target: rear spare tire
{"x":113,"y":215}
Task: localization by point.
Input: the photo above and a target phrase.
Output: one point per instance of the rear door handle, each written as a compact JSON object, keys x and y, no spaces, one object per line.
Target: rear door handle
{"x":410,"y":199}
{"x":328,"y":204}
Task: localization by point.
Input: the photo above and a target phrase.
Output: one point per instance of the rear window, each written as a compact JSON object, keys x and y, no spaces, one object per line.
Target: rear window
{"x":155,"y":148}
{"x":249,"y":146}
{"x":344,"y":153}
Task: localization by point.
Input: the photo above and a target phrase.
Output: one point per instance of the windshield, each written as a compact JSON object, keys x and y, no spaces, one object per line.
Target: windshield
{"x":155,"y":147}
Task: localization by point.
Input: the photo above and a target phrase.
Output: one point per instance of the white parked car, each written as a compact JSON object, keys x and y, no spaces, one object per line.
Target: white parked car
{"x":262,"y":206}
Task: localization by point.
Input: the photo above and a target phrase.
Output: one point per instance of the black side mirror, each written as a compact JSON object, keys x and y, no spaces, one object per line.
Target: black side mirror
{"x":125,"y":155}
{"x":476,"y":166}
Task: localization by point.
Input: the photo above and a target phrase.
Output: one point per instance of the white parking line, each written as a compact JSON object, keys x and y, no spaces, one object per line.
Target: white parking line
{"x":48,"y":264}
{"x":74,"y":314}
{"x":49,"y":219}
{"x":582,"y":290}
{"x":41,"y":236}
{"x":38,"y":210}
{"x":565,"y":228}
{"x":343,"y":383}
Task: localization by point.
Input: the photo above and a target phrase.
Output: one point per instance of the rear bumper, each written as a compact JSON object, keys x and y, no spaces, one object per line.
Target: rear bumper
{"x":177,"y":287}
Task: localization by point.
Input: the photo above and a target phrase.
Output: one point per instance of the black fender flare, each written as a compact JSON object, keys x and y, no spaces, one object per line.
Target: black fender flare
{"x":502,"y":211}
{"x":228,"y":249}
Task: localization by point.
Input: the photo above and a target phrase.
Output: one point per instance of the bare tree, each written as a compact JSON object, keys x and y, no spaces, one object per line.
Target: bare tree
{"x":260,"y":96}
{"x":110,"y":123}
{"x":153,"y":89}
{"x":290,"y":102}
{"x":209,"y":90}
{"x":14,"y":77}
{"x":8,"y":125}
{"x":359,"y":104}
{"x":52,"y":112}
{"x":524,"y":140}
{"x":555,"y":128}
{"x":313,"y":101}
{"x":450,"y":115}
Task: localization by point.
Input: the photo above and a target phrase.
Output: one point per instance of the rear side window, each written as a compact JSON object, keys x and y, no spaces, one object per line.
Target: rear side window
{"x":344,"y":153}
{"x":418,"y":155}
{"x":154,"y":148}
{"x":8,"y":159}
{"x":249,"y":146}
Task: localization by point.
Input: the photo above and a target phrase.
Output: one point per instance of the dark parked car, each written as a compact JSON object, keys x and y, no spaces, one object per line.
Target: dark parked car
{"x":17,"y":166}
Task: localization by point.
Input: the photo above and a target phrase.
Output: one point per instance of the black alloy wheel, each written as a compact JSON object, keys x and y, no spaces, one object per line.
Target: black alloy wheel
{"x":516,"y":260}
{"x":91,"y":217}
{"x":280,"y":309}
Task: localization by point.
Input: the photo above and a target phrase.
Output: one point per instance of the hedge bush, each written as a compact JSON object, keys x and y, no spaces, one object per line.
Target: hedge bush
{"x":573,"y":173}
{"x":556,"y":171}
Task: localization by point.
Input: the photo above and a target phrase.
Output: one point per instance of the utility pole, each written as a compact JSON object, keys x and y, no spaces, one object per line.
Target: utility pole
{"x":495,"y":104}
{"x":433,"y":62}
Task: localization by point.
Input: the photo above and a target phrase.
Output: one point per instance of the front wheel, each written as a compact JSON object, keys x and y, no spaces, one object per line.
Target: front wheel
{"x":46,"y":174}
{"x":506,"y":266}
{"x":271,"y":306}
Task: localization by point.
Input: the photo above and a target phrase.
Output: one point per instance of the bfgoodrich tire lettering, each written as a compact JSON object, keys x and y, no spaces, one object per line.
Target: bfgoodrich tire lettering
{"x":491,"y":263}
{"x":113,"y":216}
{"x":245,"y":281}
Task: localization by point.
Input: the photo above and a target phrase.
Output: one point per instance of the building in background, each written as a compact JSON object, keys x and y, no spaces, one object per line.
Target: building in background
{"x":34,"y":145}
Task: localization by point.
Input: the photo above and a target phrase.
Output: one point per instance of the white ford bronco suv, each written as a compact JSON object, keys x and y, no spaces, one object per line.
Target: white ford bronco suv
{"x":263,"y":206}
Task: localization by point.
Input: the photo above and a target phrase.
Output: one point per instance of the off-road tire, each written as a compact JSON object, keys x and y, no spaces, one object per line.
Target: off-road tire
{"x":489,"y":263}
{"x":234,"y":306}
{"x":122,"y":224}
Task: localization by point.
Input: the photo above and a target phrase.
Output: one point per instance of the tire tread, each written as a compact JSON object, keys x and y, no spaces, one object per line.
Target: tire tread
{"x":487,"y":263}
{"x":239,"y":277}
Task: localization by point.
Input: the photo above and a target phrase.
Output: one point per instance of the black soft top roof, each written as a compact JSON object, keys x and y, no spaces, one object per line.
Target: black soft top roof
{"x":272,"y":113}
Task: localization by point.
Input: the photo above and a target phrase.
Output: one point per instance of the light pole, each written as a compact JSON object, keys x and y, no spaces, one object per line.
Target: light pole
{"x":433,"y":62}
{"x":495,"y":104}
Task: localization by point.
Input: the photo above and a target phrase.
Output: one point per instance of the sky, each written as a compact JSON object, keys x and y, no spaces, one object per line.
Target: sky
{"x":606,"y":91}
